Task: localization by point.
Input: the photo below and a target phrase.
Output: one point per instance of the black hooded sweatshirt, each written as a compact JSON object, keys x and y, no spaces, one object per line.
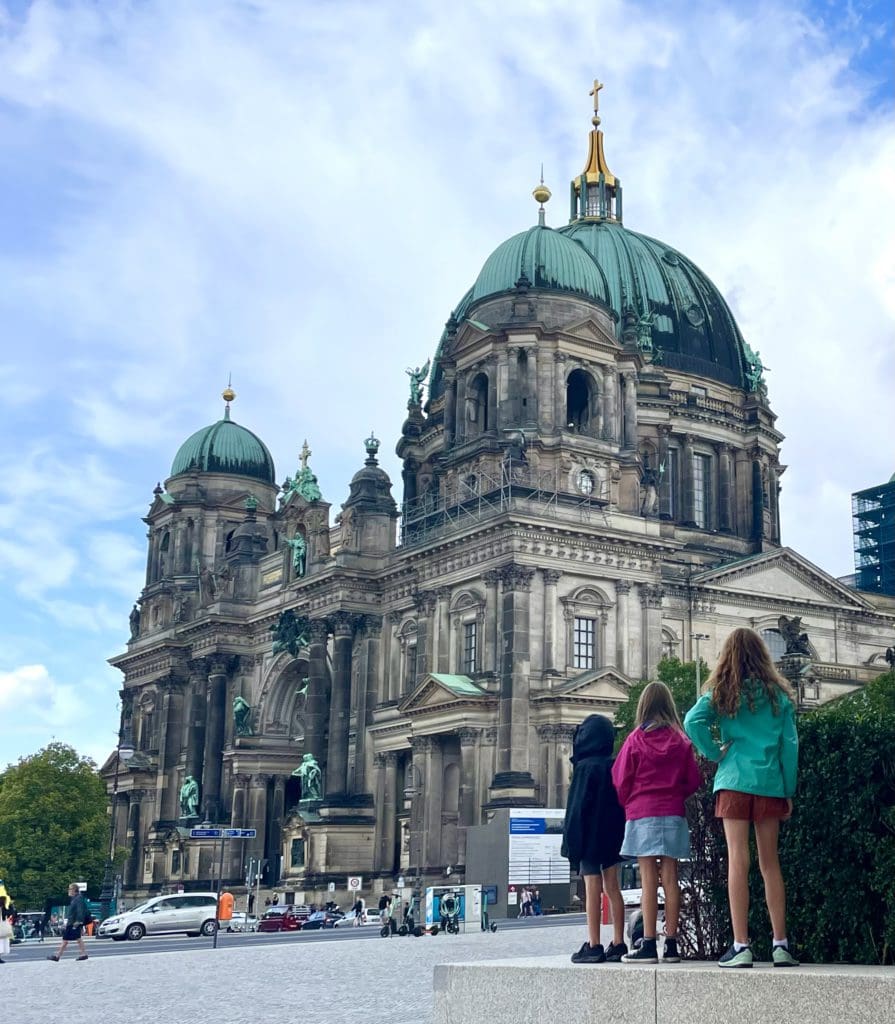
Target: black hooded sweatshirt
{"x":595,"y":822}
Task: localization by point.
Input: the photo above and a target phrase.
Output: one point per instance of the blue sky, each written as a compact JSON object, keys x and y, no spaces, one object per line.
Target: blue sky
{"x":299,"y":193}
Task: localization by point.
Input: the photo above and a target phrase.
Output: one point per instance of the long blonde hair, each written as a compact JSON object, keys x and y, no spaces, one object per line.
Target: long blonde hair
{"x":656,"y":707}
{"x":745,"y":656}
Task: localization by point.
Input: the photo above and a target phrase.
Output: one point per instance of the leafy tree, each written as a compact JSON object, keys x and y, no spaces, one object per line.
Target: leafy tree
{"x":679,"y":676}
{"x":54,"y":824}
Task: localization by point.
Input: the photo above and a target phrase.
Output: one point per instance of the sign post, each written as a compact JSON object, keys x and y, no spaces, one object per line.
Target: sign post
{"x":208,"y":831}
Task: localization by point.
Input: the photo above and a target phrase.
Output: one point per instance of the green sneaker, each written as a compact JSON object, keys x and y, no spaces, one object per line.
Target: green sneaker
{"x":734,"y":959}
{"x":783,"y":958}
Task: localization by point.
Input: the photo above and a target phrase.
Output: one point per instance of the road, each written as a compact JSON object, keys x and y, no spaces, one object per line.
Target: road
{"x":31,"y":950}
{"x":327,"y":977}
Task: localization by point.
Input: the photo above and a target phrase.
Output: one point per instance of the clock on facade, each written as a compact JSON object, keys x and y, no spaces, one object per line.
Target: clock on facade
{"x":585,"y":482}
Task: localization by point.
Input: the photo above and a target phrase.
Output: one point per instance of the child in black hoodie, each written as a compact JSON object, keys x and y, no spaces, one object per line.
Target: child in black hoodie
{"x":592,"y":836}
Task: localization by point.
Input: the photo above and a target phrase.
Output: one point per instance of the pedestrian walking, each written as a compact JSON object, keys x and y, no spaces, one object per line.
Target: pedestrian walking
{"x":654,"y":774}
{"x":76,"y":918}
{"x":592,"y":836}
{"x":6,"y":930}
{"x":752,"y":708}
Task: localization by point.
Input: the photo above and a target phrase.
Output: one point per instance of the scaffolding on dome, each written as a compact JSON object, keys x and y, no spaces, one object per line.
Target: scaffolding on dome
{"x":873,"y":519}
{"x":518,"y":487}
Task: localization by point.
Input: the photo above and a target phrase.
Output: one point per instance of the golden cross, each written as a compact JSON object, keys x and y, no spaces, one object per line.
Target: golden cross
{"x":595,"y":92}
{"x":305,"y":454}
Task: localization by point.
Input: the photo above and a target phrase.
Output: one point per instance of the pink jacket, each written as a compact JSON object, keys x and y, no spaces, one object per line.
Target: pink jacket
{"x":654,"y":773}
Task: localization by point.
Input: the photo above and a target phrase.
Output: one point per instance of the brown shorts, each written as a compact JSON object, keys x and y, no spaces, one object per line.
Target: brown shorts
{"x":749,"y":807}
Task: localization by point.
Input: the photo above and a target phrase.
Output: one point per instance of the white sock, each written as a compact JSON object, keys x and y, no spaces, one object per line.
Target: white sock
{"x":740,"y":946}
{"x":781,"y":942}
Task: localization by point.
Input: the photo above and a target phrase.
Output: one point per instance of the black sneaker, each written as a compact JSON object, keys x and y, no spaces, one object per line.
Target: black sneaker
{"x":645,"y":955}
{"x":589,"y":954}
{"x":671,"y":954}
{"x":732,"y":958}
{"x":614,"y":953}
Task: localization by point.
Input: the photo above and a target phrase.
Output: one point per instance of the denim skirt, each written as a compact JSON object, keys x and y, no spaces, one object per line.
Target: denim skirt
{"x":657,"y":837}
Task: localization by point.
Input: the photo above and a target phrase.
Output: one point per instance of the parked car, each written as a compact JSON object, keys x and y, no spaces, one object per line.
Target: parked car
{"x":368,"y":917}
{"x":194,"y":913}
{"x":322,"y":919}
{"x":280,"y":919}
{"x":242,"y":923}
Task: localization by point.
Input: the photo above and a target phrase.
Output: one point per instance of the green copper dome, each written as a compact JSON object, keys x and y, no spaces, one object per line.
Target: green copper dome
{"x":692,"y":324}
{"x":547,"y":259}
{"x":225,"y":447}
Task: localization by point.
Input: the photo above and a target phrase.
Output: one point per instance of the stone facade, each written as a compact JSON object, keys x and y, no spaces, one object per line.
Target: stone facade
{"x":573,"y":508}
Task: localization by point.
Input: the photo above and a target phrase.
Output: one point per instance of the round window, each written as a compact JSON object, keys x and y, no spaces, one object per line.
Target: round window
{"x":585,"y":482}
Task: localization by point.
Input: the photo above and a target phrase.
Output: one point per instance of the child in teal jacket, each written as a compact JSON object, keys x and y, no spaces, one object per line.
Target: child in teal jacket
{"x":750,"y":706}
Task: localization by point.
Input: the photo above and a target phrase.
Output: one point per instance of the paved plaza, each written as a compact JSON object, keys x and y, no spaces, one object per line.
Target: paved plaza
{"x":381,"y":980}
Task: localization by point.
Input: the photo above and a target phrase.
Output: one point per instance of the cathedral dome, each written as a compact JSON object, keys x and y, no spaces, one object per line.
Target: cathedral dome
{"x":543,"y":258}
{"x":225,"y":447}
{"x":692,"y":325}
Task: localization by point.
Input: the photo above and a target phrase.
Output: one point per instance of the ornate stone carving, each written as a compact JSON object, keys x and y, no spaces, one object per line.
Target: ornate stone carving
{"x":468,"y":737}
{"x":552,"y":576}
{"x":651,"y":596}
{"x":422,"y":744}
{"x":622,"y":587}
{"x":424,"y":601}
{"x":516,"y":577}
{"x":343,"y":623}
{"x":240,"y":780}
{"x":491,"y":577}
{"x":490,"y":735}
{"x":318,"y":630}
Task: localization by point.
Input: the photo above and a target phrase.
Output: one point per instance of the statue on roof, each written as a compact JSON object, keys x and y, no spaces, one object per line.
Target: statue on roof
{"x":755,"y":370}
{"x":289,"y":633}
{"x":189,"y":798}
{"x":135,"y":622}
{"x":242,"y":716}
{"x":417,"y":379}
{"x":796,"y":640}
{"x":308,"y":773}
{"x":305,"y":482}
{"x":645,"y":331}
{"x":299,"y":548}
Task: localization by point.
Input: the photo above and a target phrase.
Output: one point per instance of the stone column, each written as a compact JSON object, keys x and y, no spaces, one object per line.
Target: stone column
{"x":774,"y":497}
{"x":425,"y":811}
{"x":450,"y":406}
{"x":133,"y":869}
{"x":491,"y":368}
{"x":195,"y":741}
{"x":461,"y":425}
{"x":238,"y":812}
{"x":666,"y":495}
{"x":630,"y":381}
{"x":651,"y":599}
{"x":490,"y":660}
{"x":513,"y":709}
{"x":504,"y":404}
{"x":339,"y":708}
{"x":441,"y":640}
{"x":530,"y":413}
{"x":622,"y":590}
{"x":215,"y":717}
{"x":368,"y":699}
{"x":564,"y":735}
{"x":551,"y":578}
{"x":276,"y":810}
{"x":316,"y":704}
{"x":390,"y":806}
{"x":610,"y":409}
{"x":757,"y":496}
{"x":257,"y":816}
{"x":170,"y":731}
{"x":391,"y":686}
{"x":725,"y":489}
{"x":688,"y":491}
{"x":469,"y":787}
{"x":425,"y":606}
{"x":379,"y":800}
{"x":560,"y":420}
{"x":546,"y":771}
{"x":514,"y":394}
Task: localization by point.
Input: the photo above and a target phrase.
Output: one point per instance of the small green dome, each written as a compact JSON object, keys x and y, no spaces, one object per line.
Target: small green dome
{"x":225,"y":447}
{"x":692,"y":325}
{"x":547,"y":259}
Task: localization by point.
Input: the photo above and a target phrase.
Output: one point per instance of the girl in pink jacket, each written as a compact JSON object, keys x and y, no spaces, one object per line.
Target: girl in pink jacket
{"x":654,"y":774}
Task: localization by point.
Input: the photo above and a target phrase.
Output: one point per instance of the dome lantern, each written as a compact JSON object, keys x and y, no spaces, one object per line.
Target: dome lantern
{"x":596,"y":194}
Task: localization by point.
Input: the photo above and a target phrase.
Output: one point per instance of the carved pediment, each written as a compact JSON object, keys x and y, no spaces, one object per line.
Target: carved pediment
{"x":598,"y":685}
{"x":782,"y":574}
{"x":438,"y":690}
{"x":590,"y":330}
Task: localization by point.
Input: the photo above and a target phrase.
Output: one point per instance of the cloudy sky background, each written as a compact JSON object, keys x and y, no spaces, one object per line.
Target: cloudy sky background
{"x":298,"y":193}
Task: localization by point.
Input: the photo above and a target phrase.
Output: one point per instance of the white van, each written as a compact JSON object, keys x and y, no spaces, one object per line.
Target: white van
{"x":192,"y":912}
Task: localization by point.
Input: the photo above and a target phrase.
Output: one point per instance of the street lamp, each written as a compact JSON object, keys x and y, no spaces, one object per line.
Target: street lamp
{"x":123,"y":752}
{"x":697,"y":637}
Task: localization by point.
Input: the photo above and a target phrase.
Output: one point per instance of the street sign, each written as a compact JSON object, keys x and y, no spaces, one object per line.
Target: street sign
{"x":400,"y":881}
{"x":331,"y":887}
{"x":206,"y":833}
{"x":355,"y":883}
{"x":240,"y":833}
{"x":223,"y":833}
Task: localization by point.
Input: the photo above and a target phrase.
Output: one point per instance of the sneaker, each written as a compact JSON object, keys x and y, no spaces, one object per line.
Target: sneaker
{"x":783,"y":958}
{"x":589,"y":954}
{"x":671,"y":955}
{"x":56,"y":958}
{"x":614,"y":953}
{"x":645,"y":955}
{"x":734,"y":959}
{"x":84,"y":957}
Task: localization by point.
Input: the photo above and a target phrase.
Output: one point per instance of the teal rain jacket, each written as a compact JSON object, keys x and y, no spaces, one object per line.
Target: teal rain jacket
{"x":764,"y":746}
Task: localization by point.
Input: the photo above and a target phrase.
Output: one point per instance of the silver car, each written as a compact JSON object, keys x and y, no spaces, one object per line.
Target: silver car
{"x":192,"y":912}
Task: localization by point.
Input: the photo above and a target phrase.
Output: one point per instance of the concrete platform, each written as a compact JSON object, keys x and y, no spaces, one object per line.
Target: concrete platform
{"x":552,"y":989}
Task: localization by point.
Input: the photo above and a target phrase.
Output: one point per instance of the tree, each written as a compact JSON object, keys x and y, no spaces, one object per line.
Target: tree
{"x":679,"y":676}
{"x":54,"y":824}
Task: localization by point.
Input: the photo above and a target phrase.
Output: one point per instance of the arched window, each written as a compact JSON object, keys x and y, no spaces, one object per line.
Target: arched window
{"x":163,"y":552}
{"x":580,"y":394}
{"x":477,"y":406}
{"x":776,"y":644}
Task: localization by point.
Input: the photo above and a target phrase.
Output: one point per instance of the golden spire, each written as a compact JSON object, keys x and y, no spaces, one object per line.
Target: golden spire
{"x":541,"y":195}
{"x":596,"y":161}
{"x":228,"y":395}
{"x":595,"y":92}
{"x":596,"y":192}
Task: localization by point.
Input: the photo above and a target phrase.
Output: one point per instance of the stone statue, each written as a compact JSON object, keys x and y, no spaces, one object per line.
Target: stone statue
{"x":890,"y":657}
{"x":796,"y":641}
{"x":302,"y":691}
{"x":306,"y":485}
{"x":207,"y":585}
{"x":755,"y":372}
{"x":242,"y":716}
{"x":135,"y":622}
{"x":308,"y":772}
{"x":417,"y":379}
{"x":645,"y":332}
{"x":650,"y":484}
{"x":289,"y":634}
{"x":299,"y":551}
{"x":189,"y":798}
